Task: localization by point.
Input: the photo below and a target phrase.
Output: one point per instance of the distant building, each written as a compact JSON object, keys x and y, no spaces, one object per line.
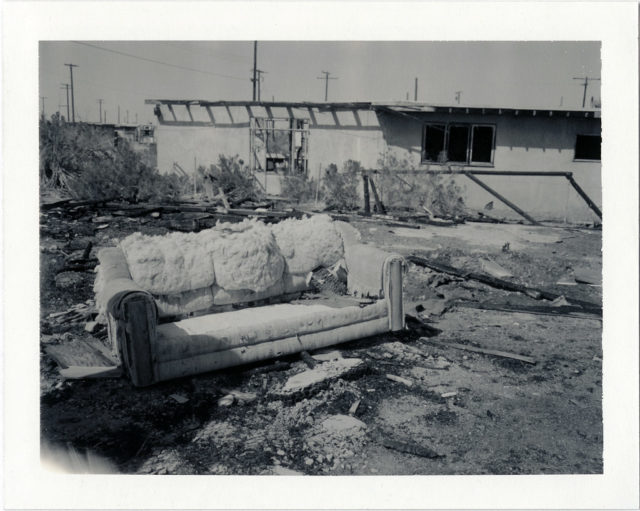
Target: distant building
{"x":275,"y":137}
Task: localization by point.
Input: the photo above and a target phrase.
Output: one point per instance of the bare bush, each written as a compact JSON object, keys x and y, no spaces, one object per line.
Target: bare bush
{"x":297,"y":187}
{"x":341,"y":188}
{"x":415,"y":189}
{"x":233,"y":177}
{"x":85,"y":161}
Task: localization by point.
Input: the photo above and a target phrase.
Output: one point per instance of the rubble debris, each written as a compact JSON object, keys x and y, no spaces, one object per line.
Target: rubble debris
{"x":495,"y":282}
{"x":179,"y":398}
{"x":496,"y":353}
{"x":561,"y":301}
{"x":242,"y":397}
{"x":327,"y":356}
{"x":85,"y":372}
{"x":326,"y":371}
{"x":92,"y":327}
{"x":342,"y":424}
{"x":495,"y":270}
{"x":407,"y":447}
{"x":354,"y":407}
{"x":449,"y":394}
{"x":399,"y":379}
{"x":68,"y":280}
{"x":308,"y":359}
{"x":80,"y":352}
{"x":226,"y":400}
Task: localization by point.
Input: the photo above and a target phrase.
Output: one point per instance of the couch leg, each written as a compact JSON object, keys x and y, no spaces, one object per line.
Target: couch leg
{"x":139,"y":340}
{"x":395,"y":295}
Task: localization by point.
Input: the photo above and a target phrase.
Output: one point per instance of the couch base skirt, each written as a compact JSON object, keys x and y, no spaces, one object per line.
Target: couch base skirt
{"x":268,"y":350}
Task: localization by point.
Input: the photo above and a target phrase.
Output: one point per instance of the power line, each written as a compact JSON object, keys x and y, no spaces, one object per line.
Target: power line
{"x":326,"y":83}
{"x":154,"y":61}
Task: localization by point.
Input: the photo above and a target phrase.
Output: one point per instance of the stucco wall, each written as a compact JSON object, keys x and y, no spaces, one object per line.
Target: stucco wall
{"x":524,"y":143}
{"x":182,"y":144}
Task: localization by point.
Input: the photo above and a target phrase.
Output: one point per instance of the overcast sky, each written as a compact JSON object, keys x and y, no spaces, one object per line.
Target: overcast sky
{"x":534,"y":74}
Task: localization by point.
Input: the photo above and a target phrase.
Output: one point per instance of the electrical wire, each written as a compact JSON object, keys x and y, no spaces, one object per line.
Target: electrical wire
{"x":154,"y":61}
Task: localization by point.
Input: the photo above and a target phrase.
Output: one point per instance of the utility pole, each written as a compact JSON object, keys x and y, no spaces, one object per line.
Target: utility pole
{"x":43,"y":114}
{"x":458,"y":95}
{"x":585,"y":84}
{"x":415,"y":92}
{"x":118,"y":114}
{"x":73,"y":102}
{"x":66,"y":86}
{"x":100,"y":102}
{"x":260,"y":73}
{"x":126,"y":119}
{"x":255,"y":67}
{"x":136,"y":117}
{"x":326,"y":83}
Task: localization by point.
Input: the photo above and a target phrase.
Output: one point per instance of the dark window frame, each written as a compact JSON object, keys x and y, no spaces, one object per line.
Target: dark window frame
{"x":575,"y":158}
{"x":469,"y":161}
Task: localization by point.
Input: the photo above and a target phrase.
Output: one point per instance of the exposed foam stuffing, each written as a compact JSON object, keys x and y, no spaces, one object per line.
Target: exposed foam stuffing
{"x":173,"y":263}
{"x":308,"y":243}
{"x":246,"y":256}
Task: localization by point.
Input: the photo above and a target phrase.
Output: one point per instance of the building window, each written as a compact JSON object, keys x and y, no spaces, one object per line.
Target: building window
{"x":588,"y":147}
{"x":469,"y":144}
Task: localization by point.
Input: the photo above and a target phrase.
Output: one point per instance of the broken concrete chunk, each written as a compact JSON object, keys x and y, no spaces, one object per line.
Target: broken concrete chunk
{"x":326,"y":371}
{"x":327,"y":356}
{"x":226,"y":400}
{"x":179,"y":398}
{"x":495,"y":270}
{"x":91,"y":327}
{"x":342,"y":423}
{"x":399,"y":379}
{"x":561,"y":301}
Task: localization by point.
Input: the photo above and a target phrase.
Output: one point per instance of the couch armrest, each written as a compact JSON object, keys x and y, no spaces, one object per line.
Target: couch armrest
{"x":131,"y":315}
{"x":375,"y":273}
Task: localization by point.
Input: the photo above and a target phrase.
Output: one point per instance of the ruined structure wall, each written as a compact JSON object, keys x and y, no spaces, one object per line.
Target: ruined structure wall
{"x":540,"y":143}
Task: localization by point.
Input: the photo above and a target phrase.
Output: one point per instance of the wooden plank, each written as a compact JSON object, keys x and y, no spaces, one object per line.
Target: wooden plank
{"x":495,"y":353}
{"x":367,"y":202}
{"x":585,"y":197}
{"x":78,"y":353}
{"x":500,"y":197}
{"x":380,"y":207}
{"x":536,"y":293}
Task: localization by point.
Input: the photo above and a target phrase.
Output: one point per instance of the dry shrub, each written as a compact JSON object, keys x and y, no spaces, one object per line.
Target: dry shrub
{"x":341,"y":188}
{"x":86,"y":161}
{"x":415,"y":189}
{"x":297,"y":187}
{"x":232,"y":176}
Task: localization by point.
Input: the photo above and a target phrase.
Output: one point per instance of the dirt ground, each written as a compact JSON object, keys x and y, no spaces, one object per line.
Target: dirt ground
{"x":451,"y":412}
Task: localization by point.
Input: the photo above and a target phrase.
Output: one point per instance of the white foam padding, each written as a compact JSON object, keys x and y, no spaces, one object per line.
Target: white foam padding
{"x":173,"y":263}
{"x":308,"y":243}
{"x":246,"y":256}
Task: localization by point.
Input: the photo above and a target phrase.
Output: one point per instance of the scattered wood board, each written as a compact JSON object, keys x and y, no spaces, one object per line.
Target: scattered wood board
{"x":78,"y":353}
{"x":495,"y":353}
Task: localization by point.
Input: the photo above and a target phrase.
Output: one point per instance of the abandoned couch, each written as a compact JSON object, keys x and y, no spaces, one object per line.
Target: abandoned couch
{"x":187,"y":303}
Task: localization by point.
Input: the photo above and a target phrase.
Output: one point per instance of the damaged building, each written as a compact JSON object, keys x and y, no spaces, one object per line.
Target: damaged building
{"x":533,"y":157}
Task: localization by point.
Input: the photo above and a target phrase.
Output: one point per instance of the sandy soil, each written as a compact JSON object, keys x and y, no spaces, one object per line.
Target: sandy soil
{"x":463,"y":412}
